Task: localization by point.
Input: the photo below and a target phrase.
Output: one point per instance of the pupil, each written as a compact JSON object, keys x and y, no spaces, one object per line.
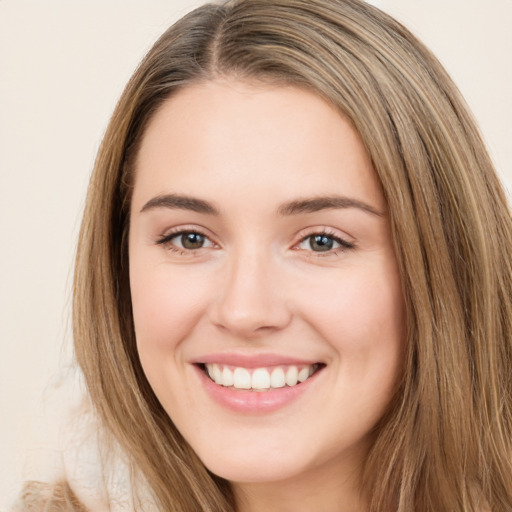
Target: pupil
{"x":192,"y":240}
{"x":321,"y":243}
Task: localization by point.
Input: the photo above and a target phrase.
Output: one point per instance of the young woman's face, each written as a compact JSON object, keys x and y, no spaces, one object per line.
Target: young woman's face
{"x":266,"y":298}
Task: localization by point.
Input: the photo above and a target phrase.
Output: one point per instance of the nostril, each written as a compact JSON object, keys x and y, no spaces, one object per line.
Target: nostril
{"x":252,"y":321}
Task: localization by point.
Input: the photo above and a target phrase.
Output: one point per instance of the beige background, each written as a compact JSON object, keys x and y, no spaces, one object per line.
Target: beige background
{"x":63,"y":65}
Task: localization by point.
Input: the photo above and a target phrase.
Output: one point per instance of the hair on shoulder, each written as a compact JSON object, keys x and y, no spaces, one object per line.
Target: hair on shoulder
{"x":42,"y":497}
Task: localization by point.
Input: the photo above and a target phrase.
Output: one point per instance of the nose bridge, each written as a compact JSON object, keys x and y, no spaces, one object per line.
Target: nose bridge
{"x":250,"y":300}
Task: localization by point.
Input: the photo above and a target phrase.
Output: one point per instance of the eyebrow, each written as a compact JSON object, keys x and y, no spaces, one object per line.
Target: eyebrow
{"x":296,"y":207}
{"x":315,"y":204}
{"x":179,"y":202}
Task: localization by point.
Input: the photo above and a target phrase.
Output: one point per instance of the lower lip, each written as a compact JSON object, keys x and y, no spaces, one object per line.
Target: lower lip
{"x":255,"y":402}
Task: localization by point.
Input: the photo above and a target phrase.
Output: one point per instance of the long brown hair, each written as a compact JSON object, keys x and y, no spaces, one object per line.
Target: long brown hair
{"x":446,"y":441}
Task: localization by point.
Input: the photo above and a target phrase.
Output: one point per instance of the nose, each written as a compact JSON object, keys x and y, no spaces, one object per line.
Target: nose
{"x":251,"y":302}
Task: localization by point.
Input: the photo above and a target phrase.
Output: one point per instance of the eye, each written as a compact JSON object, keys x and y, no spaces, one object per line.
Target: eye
{"x":324,"y":243}
{"x":185,"y":241}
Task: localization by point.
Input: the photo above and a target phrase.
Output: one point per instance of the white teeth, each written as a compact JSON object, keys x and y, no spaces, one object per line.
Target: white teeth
{"x":291,"y":376}
{"x":217,"y":374}
{"x":277,"y":380}
{"x":303,"y":374}
{"x":227,"y":377}
{"x":241,"y":378}
{"x":260,"y":378}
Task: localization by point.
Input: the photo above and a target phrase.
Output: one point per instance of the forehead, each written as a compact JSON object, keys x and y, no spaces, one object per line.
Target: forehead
{"x":228,"y":139}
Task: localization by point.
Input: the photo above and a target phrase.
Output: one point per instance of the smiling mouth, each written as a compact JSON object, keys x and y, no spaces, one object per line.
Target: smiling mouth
{"x":259,"y":379}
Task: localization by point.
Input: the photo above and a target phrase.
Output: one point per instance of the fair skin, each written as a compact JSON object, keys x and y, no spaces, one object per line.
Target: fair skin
{"x":235,"y":270}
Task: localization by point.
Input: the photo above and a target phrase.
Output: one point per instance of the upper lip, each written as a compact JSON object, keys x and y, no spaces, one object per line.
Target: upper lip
{"x":253,"y":360}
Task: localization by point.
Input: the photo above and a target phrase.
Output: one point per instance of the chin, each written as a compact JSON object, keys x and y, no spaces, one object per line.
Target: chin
{"x":252,"y":458}
{"x":243,"y":470}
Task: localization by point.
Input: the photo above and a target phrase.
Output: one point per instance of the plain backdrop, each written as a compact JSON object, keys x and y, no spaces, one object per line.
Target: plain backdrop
{"x":63,"y":65}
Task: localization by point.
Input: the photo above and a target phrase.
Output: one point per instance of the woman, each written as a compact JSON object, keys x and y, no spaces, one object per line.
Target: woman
{"x":293,"y":276}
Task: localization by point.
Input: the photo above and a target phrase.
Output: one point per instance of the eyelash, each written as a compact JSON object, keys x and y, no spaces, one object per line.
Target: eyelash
{"x":344,"y":245}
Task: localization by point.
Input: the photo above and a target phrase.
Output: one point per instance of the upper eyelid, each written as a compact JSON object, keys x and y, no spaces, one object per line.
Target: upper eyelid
{"x":327,"y":231}
{"x":302,"y":234}
{"x":170,"y":234}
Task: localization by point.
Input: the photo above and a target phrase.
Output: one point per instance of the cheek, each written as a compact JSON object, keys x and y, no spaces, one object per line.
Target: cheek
{"x":362,"y":310}
{"x":364,"y":323}
{"x":362,"y":318}
{"x":167,"y":304}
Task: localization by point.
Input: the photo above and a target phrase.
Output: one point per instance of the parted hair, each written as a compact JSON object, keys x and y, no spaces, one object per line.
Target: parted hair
{"x":445,"y":442}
